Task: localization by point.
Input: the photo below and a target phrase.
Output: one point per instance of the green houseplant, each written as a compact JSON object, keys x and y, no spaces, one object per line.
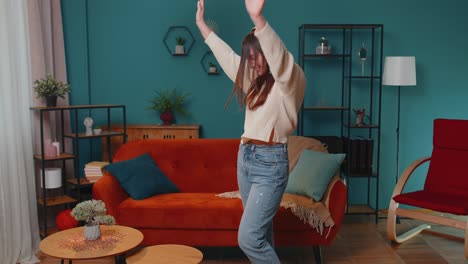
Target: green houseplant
{"x":180,"y":41}
{"x":93,"y":213}
{"x":168,"y":102}
{"x":50,"y":89}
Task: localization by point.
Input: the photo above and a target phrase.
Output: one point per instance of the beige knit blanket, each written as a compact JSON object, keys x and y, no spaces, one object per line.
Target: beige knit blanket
{"x":314,"y":213}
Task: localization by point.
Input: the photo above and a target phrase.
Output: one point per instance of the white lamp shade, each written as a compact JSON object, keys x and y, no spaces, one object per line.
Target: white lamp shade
{"x":399,"y":71}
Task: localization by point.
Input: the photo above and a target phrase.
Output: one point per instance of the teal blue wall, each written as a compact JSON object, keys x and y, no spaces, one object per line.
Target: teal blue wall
{"x":128,"y":61}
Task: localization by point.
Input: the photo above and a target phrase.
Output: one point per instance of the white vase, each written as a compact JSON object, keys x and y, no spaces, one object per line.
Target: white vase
{"x":92,"y":231}
{"x":179,"y":49}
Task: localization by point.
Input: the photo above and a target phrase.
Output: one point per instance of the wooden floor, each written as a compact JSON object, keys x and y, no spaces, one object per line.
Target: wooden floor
{"x":360,"y":240}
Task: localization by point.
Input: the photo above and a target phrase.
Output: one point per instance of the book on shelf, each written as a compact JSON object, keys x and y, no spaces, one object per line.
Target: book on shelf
{"x":91,"y":171}
{"x":94,"y":170}
{"x":96,"y":164}
{"x":93,"y":178}
{"x":361,"y":154}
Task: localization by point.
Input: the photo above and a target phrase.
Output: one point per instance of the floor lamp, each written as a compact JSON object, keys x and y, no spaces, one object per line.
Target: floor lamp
{"x":399,"y":71}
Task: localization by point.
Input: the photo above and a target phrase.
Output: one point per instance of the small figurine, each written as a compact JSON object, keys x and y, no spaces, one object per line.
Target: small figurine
{"x":363,"y":57}
{"x":323,"y":48}
{"x":360,"y":113}
{"x":88,"y":122}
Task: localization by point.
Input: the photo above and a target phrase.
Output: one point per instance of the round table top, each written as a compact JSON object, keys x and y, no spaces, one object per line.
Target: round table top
{"x":166,"y":254}
{"x":70,"y":243}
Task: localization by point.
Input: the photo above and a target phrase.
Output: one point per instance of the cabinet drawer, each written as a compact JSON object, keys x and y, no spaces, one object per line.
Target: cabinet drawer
{"x":136,"y":132}
{"x":170,"y":133}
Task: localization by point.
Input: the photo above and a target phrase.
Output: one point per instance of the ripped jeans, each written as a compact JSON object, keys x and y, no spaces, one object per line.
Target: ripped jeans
{"x":262,"y":175}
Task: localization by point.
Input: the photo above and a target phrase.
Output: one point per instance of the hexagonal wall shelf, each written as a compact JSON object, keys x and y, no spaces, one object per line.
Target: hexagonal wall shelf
{"x":179,"y":49}
{"x":209,"y":63}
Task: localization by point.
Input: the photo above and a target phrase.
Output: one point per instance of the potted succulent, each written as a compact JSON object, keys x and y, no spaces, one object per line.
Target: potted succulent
{"x":180,"y":49}
{"x":167,"y":103}
{"x":50,"y":88}
{"x":93,"y":213}
{"x":213,"y":68}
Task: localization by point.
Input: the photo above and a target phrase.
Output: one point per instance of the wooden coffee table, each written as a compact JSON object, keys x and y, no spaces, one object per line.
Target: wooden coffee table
{"x":70,"y":244}
{"x":166,"y":254}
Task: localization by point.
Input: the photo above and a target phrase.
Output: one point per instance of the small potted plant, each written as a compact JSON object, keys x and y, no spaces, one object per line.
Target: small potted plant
{"x":213,"y":68}
{"x":50,"y":88}
{"x":180,"y":49}
{"x":169,"y":102}
{"x":93,"y":213}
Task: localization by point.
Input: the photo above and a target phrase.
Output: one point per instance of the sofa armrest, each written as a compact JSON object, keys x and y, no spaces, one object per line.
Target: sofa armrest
{"x":335,"y":200}
{"x":108,"y":190}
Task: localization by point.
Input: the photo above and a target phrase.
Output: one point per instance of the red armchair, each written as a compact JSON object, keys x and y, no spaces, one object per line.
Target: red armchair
{"x":446,"y":185}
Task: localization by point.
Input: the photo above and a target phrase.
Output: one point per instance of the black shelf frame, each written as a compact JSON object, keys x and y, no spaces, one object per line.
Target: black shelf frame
{"x":203,"y":63}
{"x":74,"y":155}
{"x":181,"y":28}
{"x":345,"y":58}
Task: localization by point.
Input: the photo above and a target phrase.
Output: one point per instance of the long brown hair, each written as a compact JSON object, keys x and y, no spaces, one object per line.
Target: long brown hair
{"x":256,"y":96}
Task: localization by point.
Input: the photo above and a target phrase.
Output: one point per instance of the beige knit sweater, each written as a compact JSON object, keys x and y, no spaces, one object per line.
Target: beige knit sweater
{"x":279,"y":112}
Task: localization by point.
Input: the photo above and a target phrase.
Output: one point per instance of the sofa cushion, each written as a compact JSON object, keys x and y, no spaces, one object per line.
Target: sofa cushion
{"x":140,"y":177}
{"x":313,"y":172}
{"x":193,"y":211}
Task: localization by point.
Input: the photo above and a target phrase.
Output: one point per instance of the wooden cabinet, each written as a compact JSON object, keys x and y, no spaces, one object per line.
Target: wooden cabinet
{"x":136,"y":132}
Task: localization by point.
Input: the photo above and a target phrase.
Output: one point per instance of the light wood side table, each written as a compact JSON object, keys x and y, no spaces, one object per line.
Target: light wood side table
{"x":70,"y":244}
{"x":166,"y":254}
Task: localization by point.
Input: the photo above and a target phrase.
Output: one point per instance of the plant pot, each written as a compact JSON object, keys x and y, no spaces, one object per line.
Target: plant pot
{"x":179,"y":49}
{"x":92,"y":231}
{"x":51,"y":100}
{"x":213,"y":69}
{"x":167,"y":118}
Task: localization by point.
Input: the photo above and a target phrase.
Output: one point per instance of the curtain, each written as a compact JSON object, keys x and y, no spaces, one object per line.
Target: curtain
{"x":48,"y":57}
{"x":31,"y":46}
{"x":19,"y":233}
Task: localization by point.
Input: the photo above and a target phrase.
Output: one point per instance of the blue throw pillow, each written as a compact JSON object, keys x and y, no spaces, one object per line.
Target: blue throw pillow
{"x":141,"y":178}
{"x":313,"y":172}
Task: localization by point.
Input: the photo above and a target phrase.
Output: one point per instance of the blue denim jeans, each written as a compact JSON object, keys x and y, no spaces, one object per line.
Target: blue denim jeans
{"x":262,"y":175}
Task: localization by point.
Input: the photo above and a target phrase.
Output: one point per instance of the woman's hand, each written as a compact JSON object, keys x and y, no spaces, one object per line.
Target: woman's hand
{"x":254,"y":9}
{"x":200,"y":16}
{"x":200,"y":19}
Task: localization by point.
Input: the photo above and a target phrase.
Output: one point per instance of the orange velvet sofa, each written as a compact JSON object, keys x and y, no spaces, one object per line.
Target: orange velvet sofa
{"x":202,"y":168}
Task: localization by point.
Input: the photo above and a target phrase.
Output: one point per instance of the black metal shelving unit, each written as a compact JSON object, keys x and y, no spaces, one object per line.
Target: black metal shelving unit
{"x":343,"y":57}
{"x":66,"y":197}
